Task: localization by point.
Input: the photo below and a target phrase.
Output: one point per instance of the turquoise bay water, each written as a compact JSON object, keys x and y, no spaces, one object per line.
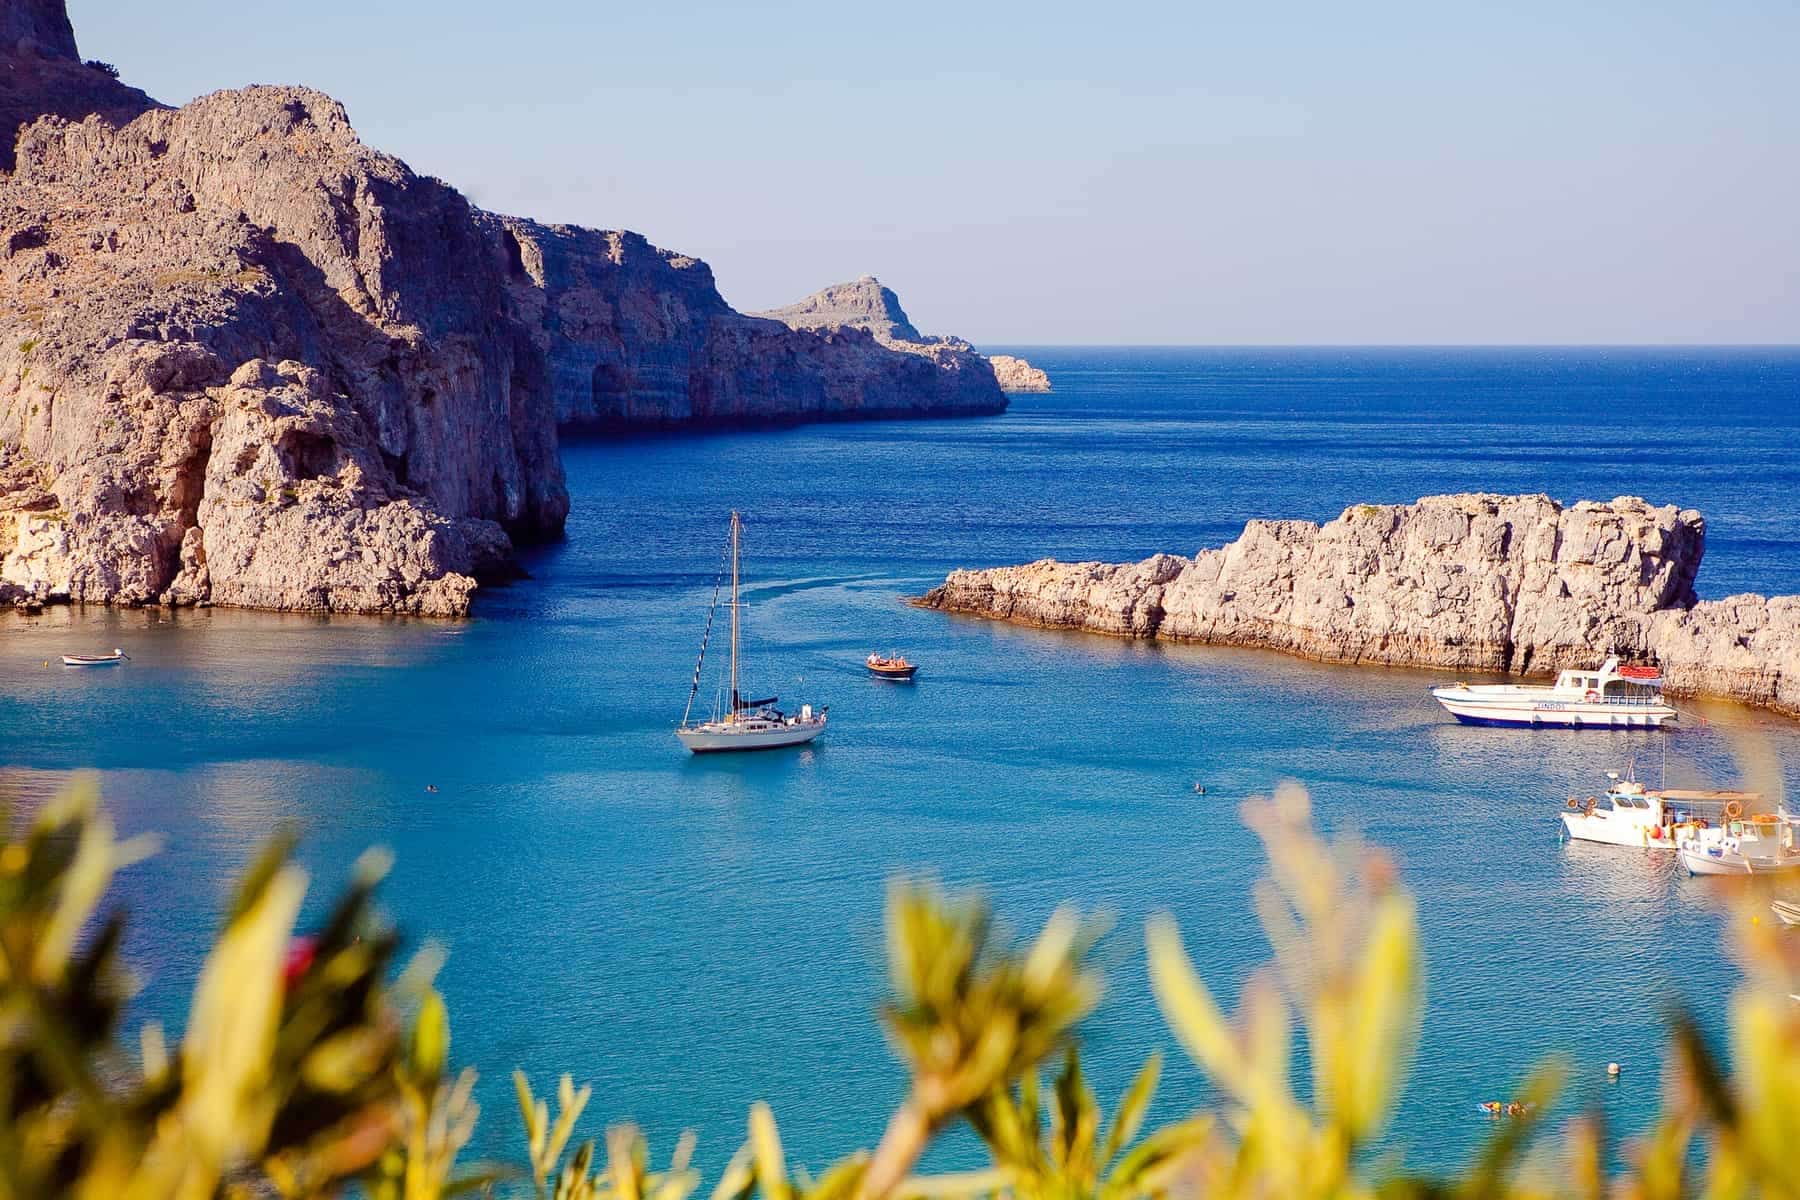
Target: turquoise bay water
{"x":691,"y":935}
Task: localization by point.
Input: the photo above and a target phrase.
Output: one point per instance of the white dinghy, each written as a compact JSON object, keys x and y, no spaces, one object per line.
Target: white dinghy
{"x":745,"y":724}
{"x":96,"y":660}
{"x":1614,"y":697}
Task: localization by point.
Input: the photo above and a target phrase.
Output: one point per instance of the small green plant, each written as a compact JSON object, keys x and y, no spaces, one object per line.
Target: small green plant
{"x":299,"y":1075}
{"x":28,"y":345}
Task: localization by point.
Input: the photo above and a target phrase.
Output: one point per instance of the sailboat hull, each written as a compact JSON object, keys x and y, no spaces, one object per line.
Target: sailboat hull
{"x":716,"y":738}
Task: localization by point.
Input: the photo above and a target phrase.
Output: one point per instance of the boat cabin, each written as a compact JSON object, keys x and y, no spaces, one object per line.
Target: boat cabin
{"x":1612,"y":683}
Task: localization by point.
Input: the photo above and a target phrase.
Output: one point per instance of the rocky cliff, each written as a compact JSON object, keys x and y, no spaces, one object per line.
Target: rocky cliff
{"x":635,"y":336}
{"x":245,"y":359}
{"x":866,"y":314}
{"x":42,"y":73}
{"x":1016,"y":376}
{"x":1515,"y":584}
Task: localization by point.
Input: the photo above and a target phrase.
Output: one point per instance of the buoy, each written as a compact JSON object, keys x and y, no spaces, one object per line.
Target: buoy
{"x":1612,"y":1069}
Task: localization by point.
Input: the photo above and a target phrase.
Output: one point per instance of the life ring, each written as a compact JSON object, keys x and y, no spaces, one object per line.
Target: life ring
{"x":1592,"y":696}
{"x":1733,"y":810}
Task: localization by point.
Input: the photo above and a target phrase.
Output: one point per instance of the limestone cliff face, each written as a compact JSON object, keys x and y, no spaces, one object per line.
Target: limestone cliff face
{"x":865,"y":317}
{"x":1517,"y":584}
{"x":41,"y":72}
{"x":863,"y":304}
{"x":245,"y":359}
{"x":1017,"y":376}
{"x":633,"y":336}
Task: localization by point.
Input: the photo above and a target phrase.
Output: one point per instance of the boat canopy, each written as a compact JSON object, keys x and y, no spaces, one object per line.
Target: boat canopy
{"x":1641,"y":674}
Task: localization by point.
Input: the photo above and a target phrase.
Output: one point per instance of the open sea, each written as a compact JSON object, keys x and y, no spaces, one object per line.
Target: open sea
{"x":690,"y":935}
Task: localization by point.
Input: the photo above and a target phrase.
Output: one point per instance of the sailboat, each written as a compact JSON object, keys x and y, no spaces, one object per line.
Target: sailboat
{"x":747,"y":724}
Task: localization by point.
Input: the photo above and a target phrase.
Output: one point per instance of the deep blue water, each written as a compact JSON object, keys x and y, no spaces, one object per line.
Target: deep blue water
{"x":691,"y":935}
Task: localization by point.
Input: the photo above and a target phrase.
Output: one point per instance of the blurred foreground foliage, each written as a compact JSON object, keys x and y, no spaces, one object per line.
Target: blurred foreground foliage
{"x":313,"y":1066}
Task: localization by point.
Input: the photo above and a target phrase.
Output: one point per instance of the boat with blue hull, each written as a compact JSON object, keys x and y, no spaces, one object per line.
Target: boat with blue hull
{"x":1613,"y":697}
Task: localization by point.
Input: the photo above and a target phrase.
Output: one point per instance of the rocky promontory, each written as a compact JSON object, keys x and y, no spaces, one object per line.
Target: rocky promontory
{"x":867,"y":314}
{"x":634,"y":336}
{"x":245,"y":359}
{"x":1510,"y":584}
{"x":1017,"y":376}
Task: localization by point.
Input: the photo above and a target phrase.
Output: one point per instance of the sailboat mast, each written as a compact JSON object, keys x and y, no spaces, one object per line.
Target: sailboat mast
{"x":736,"y":525}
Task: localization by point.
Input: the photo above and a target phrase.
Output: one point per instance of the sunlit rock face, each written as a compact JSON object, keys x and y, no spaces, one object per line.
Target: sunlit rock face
{"x":246,"y":359}
{"x":1516,"y":584}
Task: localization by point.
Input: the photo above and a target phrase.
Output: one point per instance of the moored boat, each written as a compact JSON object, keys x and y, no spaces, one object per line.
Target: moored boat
{"x":1756,"y":844}
{"x":1630,"y":814}
{"x":1787,"y":911}
{"x":893,"y":666}
{"x":1614,"y":697}
{"x":744,"y":724}
{"x":95,"y":660}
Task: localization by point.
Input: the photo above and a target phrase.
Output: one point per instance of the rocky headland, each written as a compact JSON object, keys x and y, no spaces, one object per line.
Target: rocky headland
{"x":246,"y":359}
{"x":1519,"y":585}
{"x":867,"y":314}
{"x":1017,"y":376}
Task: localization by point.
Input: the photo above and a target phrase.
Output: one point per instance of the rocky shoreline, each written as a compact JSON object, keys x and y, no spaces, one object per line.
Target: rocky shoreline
{"x":246,"y":359}
{"x":1518,"y":585}
{"x":1017,"y":376}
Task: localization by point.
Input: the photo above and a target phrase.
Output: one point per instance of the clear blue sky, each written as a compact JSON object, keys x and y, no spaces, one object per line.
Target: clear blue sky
{"x":1280,"y":172}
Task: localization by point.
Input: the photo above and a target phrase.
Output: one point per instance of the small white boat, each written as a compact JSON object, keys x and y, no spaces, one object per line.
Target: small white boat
{"x":1787,"y":910}
{"x":1614,"y":697}
{"x":1630,"y":814}
{"x":745,"y":724}
{"x":95,"y":660}
{"x":1759,"y":844}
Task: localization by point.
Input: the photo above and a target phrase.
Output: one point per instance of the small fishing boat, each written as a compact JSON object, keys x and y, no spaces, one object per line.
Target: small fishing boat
{"x":1614,"y":697}
{"x":1630,"y":814}
{"x":894,"y":667}
{"x":95,"y":660}
{"x":1756,"y":844}
{"x":744,"y":724}
{"x":1787,"y":910}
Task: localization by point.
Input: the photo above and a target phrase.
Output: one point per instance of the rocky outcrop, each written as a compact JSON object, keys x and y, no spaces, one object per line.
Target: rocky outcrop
{"x":255,"y":362}
{"x":245,"y":359}
{"x":1016,"y":376}
{"x":864,"y":304}
{"x":1515,"y":584}
{"x":631,"y":336}
{"x":867,"y":315}
{"x":41,"y":73}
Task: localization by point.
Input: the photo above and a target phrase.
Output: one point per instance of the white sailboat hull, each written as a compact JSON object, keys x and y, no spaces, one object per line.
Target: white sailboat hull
{"x":714,"y":737}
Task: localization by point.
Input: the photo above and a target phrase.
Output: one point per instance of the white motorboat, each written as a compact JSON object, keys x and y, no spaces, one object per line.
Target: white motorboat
{"x":1787,"y":911}
{"x":95,"y":660}
{"x":744,"y":724}
{"x":1630,"y":814}
{"x":1757,"y":844}
{"x":1614,"y":697}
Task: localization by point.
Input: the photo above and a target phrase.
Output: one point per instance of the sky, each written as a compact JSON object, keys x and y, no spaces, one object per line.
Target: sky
{"x":1120,"y":172}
